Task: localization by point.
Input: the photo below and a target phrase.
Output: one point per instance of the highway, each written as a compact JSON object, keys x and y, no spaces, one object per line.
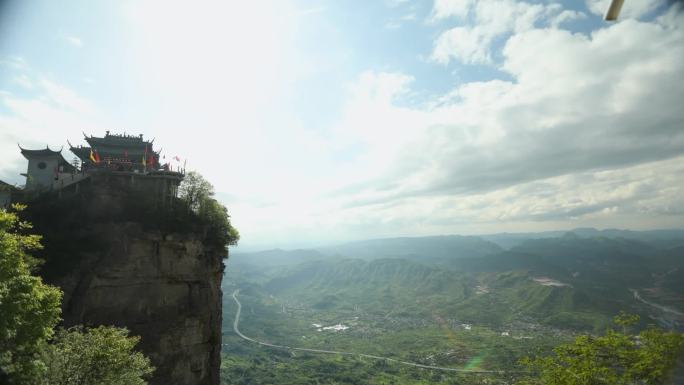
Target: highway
{"x":236,"y":324}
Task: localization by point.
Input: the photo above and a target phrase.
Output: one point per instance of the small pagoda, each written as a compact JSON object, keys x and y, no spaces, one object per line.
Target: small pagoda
{"x":45,"y":166}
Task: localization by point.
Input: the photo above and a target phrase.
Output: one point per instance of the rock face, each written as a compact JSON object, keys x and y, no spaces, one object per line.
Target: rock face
{"x":125,"y":260}
{"x":166,"y":289}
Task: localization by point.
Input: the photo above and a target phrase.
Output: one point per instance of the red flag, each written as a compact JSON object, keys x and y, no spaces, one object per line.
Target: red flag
{"x":97,"y":157}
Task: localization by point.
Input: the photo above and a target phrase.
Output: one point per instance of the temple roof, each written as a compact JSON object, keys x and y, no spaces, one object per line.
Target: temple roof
{"x":83,"y":152}
{"x":113,"y":140}
{"x":123,"y":151}
{"x":116,"y":146}
{"x":37,"y":153}
{"x":47,"y":152}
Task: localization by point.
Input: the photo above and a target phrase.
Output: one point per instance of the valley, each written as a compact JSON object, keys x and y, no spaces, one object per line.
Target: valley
{"x":412,"y":317}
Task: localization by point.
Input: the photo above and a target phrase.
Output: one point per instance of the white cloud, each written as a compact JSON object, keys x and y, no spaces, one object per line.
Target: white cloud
{"x":472,"y":43}
{"x":443,"y":9}
{"x":643,"y":196}
{"x":48,"y":118}
{"x":469,"y":44}
{"x":587,"y":134}
{"x":566,"y":16}
{"x":73,"y":40}
{"x":559,"y":143}
{"x":23,"y":81}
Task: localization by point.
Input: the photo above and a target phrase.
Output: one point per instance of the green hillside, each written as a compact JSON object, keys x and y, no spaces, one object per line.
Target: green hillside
{"x":459,"y":302}
{"x":407,"y":288}
{"x":436,"y":249}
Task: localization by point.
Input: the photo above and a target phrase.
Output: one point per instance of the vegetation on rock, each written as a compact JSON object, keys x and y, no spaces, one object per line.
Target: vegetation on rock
{"x":97,"y":356}
{"x":198,"y":195}
{"x":30,"y":309}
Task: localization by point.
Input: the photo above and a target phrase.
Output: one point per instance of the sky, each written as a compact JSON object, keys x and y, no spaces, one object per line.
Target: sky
{"x":327,"y":121}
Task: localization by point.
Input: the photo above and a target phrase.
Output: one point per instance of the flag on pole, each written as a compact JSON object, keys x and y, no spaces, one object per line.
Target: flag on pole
{"x":94,"y":156}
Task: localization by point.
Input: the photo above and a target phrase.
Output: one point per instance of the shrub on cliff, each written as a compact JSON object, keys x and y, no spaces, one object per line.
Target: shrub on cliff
{"x":29,"y":309}
{"x":198,"y":194}
{"x":195,"y":190}
{"x":97,"y":356}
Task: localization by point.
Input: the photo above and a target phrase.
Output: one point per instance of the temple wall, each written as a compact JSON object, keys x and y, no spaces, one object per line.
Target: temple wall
{"x":41,"y":177}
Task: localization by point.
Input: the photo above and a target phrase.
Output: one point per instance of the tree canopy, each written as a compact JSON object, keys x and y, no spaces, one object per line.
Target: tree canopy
{"x":29,"y":309}
{"x":616,"y":358}
{"x":97,"y":356}
{"x":198,"y":194}
{"x":195,"y":190}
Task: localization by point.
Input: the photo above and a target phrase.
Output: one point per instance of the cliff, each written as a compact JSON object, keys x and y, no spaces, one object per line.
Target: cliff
{"x":123,"y":260}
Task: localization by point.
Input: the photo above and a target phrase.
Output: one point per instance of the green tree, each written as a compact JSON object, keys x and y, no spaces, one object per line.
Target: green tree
{"x":29,"y":309}
{"x":195,"y":190}
{"x":97,"y":356}
{"x":616,"y":358}
{"x":198,"y":194}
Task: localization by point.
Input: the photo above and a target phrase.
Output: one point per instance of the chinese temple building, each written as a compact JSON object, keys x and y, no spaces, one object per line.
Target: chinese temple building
{"x":118,"y":153}
{"x":113,"y":164}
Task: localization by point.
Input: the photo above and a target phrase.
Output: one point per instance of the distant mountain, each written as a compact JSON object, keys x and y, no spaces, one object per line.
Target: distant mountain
{"x":440,"y":250}
{"x":613,"y":263}
{"x":276,"y":257}
{"x":435,"y":249}
{"x":659,"y":238}
{"x":447,"y":249}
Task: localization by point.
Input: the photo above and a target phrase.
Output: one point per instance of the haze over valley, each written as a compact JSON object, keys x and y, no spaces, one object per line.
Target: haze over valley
{"x":343,"y":192}
{"x":474,"y":304}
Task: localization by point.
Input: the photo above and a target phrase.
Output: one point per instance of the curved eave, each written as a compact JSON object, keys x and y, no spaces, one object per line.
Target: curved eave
{"x":37,"y":153}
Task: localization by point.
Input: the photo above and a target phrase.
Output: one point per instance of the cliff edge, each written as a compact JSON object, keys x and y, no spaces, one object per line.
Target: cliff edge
{"x":124,"y":259}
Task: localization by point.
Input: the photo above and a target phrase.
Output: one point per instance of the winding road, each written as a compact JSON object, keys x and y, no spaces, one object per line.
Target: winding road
{"x":655,"y":305}
{"x":236,"y":324}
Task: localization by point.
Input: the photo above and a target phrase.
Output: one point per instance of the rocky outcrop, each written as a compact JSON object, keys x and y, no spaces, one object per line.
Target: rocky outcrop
{"x":166,"y":289}
{"x":153,"y":269}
